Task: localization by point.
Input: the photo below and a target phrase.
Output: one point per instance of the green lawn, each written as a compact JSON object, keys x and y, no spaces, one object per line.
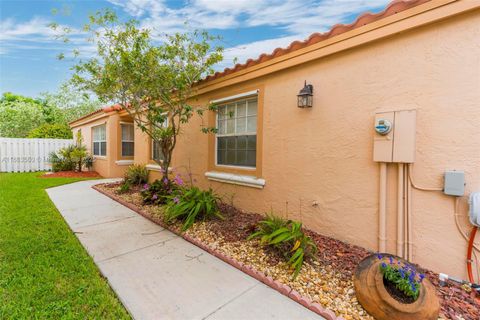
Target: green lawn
{"x":44,"y":271}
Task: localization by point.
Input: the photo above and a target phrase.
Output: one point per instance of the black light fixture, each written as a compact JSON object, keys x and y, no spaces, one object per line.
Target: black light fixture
{"x":305,"y":96}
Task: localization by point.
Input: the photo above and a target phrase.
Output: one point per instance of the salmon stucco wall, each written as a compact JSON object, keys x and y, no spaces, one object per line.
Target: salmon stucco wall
{"x":107,"y":166}
{"x":318,"y":163}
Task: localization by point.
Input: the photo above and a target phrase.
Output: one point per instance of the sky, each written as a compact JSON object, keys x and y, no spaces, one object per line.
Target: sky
{"x":248,"y":28}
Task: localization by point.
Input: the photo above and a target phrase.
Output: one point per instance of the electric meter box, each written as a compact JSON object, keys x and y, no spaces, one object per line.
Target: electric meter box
{"x":454,"y":183}
{"x":394,"y":139}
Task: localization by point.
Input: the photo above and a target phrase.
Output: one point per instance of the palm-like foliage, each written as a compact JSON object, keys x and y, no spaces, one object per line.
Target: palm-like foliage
{"x":288,"y":237}
{"x":191,"y":205}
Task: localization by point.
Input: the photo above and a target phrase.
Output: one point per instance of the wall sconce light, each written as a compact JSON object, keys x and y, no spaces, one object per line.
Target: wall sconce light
{"x":305,"y":96}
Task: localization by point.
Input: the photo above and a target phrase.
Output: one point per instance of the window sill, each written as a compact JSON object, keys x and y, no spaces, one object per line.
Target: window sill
{"x":156,"y":167}
{"x":100,"y":157}
{"x":247,"y":181}
{"x":124,"y":162}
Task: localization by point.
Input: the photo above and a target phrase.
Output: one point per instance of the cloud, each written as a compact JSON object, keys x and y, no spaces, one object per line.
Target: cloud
{"x":293,"y":19}
{"x":36,"y":28}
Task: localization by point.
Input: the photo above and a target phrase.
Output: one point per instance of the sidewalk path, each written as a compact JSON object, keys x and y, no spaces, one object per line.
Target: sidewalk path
{"x":158,"y":275}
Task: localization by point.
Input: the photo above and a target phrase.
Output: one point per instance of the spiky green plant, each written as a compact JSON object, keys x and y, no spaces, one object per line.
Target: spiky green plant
{"x":286,"y":236}
{"x":192,"y":204}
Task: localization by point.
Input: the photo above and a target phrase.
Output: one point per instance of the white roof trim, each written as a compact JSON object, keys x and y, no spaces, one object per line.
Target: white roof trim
{"x":237,"y":96}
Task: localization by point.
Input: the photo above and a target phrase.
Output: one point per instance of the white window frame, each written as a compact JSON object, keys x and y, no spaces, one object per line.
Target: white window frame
{"x":224,"y":102}
{"x":121,"y":138}
{"x":165,"y":124}
{"x":99,"y":141}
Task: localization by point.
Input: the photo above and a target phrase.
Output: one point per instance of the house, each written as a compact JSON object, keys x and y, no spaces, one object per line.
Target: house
{"x":395,"y":104}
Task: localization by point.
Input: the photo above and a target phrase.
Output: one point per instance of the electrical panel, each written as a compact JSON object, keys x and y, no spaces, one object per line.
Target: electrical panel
{"x":394,"y":139}
{"x":474,"y":202}
{"x":454,"y":183}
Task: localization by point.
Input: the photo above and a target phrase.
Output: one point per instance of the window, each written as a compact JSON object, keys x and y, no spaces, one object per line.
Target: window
{"x":100,"y":140}
{"x":127,"y":139}
{"x":236,"y":143}
{"x":157,"y":153}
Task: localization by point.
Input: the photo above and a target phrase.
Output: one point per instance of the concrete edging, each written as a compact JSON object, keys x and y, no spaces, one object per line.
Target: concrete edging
{"x":267,"y":280}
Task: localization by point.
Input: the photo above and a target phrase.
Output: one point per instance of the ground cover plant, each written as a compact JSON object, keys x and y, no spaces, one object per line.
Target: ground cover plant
{"x":287,"y":237}
{"x":190,"y":205}
{"x":327,"y":279}
{"x":44,"y":271}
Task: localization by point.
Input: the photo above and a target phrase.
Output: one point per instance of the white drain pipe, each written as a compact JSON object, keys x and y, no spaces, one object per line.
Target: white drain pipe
{"x":382,"y":209}
{"x":400,"y":211}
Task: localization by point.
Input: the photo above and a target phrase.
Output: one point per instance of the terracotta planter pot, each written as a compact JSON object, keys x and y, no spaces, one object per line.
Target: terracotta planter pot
{"x":373,"y":296}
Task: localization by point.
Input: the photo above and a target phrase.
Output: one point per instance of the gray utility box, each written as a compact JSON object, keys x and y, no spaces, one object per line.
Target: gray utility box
{"x":454,"y":183}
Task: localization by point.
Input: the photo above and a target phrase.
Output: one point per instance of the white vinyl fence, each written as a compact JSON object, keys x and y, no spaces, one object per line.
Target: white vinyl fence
{"x":23,"y":155}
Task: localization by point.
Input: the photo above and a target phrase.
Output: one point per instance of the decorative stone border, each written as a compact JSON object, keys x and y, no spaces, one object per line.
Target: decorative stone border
{"x":267,"y":280}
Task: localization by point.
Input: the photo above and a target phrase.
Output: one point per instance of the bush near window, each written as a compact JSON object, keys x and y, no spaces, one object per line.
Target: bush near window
{"x":287,"y":237}
{"x":72,"y":157}
{"x":136,"y":174}
{"x":192,"y":204}
{"x":52,"y":131}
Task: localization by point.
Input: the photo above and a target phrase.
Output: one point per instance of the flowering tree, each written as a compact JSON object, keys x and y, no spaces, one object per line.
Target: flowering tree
{"x":152,"y":82}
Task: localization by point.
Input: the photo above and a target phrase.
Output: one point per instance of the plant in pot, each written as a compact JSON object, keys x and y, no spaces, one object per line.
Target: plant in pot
{"x":389,"y":287}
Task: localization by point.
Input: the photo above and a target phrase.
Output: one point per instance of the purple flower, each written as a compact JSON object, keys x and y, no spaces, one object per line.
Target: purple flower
{"x":379,"y":256}
{"x":178,"y":180}
{"x":391,"y":260}
{"x":146,"y":186}
{"x":402,"y":272}
{"x":413,"y":287}
{"x":154,"y":197}
{"x":384,"y":265}
{"x":165,"y":180}
{"x":422,"y":276}
{"x":176,"y":200}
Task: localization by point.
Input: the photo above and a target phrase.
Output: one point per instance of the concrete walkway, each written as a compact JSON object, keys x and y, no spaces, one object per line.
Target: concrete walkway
{"x":158,"y":275}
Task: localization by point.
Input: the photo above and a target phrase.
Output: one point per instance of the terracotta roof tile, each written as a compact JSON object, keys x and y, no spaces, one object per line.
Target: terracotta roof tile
{"x":394,"y":7}
{"x":105,"y":109}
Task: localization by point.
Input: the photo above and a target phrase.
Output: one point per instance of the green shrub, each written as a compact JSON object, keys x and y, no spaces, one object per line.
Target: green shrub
{"x":72,"y":157}
{"x":53,"y":131}
{"x":192,"y":204}
{"x":124,"y":187}
{"x":159,"y":191}
{"x":60,"y":163}
{"x":287,"y":237}
{"x":136,"y":174}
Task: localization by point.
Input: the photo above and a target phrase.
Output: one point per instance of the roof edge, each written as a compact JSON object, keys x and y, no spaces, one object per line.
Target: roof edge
{"x":363,"y":19}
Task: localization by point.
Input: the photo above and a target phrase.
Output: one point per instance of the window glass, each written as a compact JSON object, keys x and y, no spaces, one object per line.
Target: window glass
{"x":99,"y":140}
{"x":237,"y":133}
{"x":127,"y":140}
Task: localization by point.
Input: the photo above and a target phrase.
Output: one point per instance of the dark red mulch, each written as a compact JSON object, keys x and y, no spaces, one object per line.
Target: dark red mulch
{"x":455,"y":300}
{"x":342,"y":256}
{"x":71,"y":174}
{"x":236,"y":225}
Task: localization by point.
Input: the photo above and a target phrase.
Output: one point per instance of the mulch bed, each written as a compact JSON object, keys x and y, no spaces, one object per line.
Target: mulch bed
{"x":71,"y":174}
{"x":336,"y":261}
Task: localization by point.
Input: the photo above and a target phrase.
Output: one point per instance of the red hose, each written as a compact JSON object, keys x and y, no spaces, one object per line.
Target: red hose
{"x":469,"y":254}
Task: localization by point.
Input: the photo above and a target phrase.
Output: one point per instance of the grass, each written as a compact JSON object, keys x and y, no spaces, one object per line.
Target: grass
{"x":44,"y":271}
